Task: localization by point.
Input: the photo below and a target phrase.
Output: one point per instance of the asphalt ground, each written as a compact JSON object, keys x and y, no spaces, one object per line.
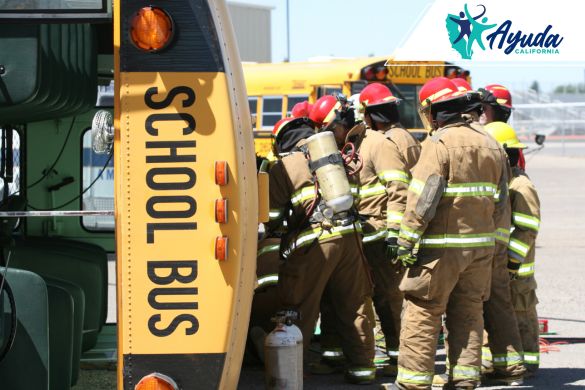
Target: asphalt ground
{"x":558,"y":171}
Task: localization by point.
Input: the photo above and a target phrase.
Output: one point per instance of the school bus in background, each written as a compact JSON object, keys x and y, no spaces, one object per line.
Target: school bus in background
{"x":274,"y":88}
{"x":174,"y":207}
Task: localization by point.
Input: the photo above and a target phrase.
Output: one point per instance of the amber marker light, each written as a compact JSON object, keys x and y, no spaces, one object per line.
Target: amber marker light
{"x":151,"y":29}
{"x":221,"y":173}
{"x":221,"y":248}
{"x":156,"y":381}
{"x":221,"y":210}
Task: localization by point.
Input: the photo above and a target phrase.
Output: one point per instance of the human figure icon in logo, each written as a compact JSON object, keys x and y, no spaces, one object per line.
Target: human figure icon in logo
{"x":465,"y":24}
{"x":478,"y":29}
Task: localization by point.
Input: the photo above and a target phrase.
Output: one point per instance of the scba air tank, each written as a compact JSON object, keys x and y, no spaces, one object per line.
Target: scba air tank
{"x":327,"y":163}
{"x":283,"y":356}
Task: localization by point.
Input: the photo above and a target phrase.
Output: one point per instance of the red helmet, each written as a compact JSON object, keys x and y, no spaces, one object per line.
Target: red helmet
{"x":462,"y":85}
{"x":302,"y":109}
{"x":437,"y":90}
{"x":376,"y":93}
{"x":279,"y":127}
{"x":501,"y":93}
{"x":323,"y":110}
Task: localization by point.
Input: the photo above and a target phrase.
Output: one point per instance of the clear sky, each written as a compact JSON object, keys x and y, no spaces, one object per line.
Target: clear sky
{"x":360,"y":28}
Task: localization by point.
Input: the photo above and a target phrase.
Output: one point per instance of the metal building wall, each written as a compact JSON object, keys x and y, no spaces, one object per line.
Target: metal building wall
{"x":252,"y":27}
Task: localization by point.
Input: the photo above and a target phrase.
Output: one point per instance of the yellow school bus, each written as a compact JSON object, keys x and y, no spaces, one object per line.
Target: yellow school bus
{"x":274,"y":88}
{"x":143,"y":256}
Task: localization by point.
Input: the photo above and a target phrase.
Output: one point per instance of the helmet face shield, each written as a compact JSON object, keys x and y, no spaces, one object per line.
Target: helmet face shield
{"x":424,"y":112}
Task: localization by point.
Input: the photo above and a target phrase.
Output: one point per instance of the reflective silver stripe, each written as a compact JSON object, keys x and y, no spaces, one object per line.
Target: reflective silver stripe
{"x":392,"y":352}
{"x":266,"y":249}
{"x":531,"y":357}
{"x":374,"y":236}
{"x":416,"y":186}
{"x":409,"y":233}
{"x":465,"y":372}
{"x":332,"y":354}
{"x":525,"y":220}
{"x":361,"y":371}
{"x":394,"y":175}
{"x":268,"y":280}
{"x":526,"y":269}
{"x":312,"y":234}
{"x":415,"y":377}
{"x":471,"y":189}
{"x":275,"y":213}
{"x":462,"y":240}
{"x":518,"y":247}
{"x":508,"y":359}
{"x":303,"y":194}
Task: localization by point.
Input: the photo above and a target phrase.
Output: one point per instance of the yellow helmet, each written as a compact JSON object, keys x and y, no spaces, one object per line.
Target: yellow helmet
{"x":505,"y":135}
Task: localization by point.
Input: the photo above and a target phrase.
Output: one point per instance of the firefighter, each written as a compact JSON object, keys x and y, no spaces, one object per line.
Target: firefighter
{"x":502,"y":341}
{"x":381,"y":114}
{"x":447,"y":240}
{"x":525,"y":225}
{"x":381,"y":188}
{"x":497,"y":104}
{"x":321,"y":253}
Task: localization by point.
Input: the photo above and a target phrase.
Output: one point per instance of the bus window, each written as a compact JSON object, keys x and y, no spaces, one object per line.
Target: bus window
{"x":408,"y":105}
{"x":101,"y":194}
{"x":292,"y":100}
{"x":357,"y":87}
{"x":253,"y":104}
{"x":13,"y":177}
{"x":328,"y":90}
{"x":271,"y":111}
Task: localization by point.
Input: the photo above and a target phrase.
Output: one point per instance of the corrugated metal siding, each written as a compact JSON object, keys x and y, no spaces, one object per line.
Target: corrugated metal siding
{"x":252,"y":28}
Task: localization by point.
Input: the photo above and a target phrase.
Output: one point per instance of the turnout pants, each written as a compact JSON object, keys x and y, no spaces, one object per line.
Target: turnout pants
{"x":500,"y":322}
{"x":334,"y":265}
{"x":387,"y":296}
{"x":454,"y":283}
{"x":524,"y":300}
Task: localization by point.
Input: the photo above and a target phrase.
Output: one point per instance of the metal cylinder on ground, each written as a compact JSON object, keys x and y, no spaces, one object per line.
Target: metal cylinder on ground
{"x":283,"y":355}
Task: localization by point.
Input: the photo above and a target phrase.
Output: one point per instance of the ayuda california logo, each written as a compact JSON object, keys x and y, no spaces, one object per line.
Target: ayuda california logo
{"x":467,"y":28}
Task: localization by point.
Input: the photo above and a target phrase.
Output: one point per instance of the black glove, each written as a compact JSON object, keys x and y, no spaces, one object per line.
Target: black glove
{"x":391,"y":248}
{"x":405,"y":256}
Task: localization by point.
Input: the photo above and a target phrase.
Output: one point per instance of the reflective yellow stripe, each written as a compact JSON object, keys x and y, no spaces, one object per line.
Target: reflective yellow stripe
{"x":458,"y":240}
{"x":525,"y":220}
{"x":374,"y":236}
{"x":266,"y":249}
{"x":526,"y":270}
{"x":414,"y":377}
{"x":503,"y":235}
{"x":416,"y":186}
{"x":394,"y":217}
{"x":303,"y":194}
{"x":518,"y":247}
{"x":507,"y":359}
{"x":465,"y":372}
{"x":268,"y":280}
{"x":308,"y":236}
{"x":486,"y":354}
{"x":394,"y":175}
{"x":409,"y":234}
{"x":471,"y":189}
{"x":372,"y":190}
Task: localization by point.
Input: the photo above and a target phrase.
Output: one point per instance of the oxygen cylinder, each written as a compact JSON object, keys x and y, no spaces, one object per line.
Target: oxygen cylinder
{"x":326,"y":161}
{"x":283,"y":356}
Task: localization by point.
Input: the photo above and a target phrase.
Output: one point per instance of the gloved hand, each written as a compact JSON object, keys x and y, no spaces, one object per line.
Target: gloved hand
{"x":513,"y":267}
{"x":406,"y":257}
{"x":391,"y":248}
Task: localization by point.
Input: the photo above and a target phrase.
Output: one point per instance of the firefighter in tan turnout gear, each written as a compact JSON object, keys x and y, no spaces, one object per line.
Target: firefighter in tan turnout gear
{"x":526,"y":222}
{"x":381,"y":114}
{"x":381,"y":184}
{"x":321,"y":249}
{"x":447,"y":240}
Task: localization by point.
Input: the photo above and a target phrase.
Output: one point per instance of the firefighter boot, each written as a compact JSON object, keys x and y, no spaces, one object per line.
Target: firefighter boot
{"x":360,"y":375}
